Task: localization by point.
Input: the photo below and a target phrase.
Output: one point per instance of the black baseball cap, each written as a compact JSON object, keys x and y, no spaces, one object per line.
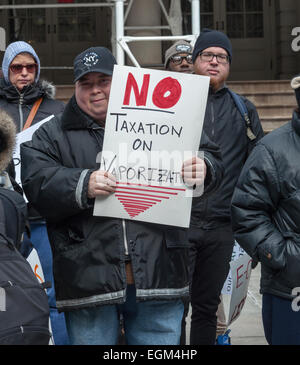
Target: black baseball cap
{"x":94,"y":59}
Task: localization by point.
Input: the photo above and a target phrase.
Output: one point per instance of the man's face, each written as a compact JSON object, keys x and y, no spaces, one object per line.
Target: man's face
{"x":92,"y":95}
{"x":218,"y":72}
{"x":22,"y":76}
{"x":179,"y":63}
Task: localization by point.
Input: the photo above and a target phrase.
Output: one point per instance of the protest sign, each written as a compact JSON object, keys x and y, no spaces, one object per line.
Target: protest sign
{"x":22,"y":137}
{"x":241,"y":273}
{"x":154,"y":123}
{"x":237,"y":252}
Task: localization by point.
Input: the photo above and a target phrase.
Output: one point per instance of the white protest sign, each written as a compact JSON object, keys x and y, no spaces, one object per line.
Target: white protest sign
{"x":36,"y":266}
{"x":237,"y":252}
{"x":241,"y":273}
{"x":22,"y":137}
{"x":154,"y":123}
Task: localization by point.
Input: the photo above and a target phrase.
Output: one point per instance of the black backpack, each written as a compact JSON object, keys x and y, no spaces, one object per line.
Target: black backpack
{"x":24,"y":309}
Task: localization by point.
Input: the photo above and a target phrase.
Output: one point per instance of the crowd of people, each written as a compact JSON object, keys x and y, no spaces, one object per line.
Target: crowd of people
{"x":103,"y":269}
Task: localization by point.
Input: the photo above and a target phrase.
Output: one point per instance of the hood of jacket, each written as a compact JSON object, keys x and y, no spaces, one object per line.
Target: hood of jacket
{"x":30,"y":92}
{"x":7,"y":139}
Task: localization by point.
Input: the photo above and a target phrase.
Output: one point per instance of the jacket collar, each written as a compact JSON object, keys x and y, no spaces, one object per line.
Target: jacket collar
{"x":221,"y":91}
{"x":296,"y":122}
{"x":30,"y":93}
{"x":74,"y":118}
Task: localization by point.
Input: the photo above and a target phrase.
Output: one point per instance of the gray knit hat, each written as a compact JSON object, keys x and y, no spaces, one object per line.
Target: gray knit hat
{"x":12,"y":51}
{"x":181,"y":46}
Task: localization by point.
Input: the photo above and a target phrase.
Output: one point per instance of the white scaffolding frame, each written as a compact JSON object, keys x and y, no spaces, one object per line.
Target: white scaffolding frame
{"x":121,"y":45}
{"x":122,"y":40}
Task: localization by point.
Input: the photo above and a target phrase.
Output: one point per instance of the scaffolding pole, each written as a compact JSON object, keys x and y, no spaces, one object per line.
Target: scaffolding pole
{"x":119,"y":22}
{"x":195,"y":16}
{"x":123,"y":40}
{"x":119,"y":11}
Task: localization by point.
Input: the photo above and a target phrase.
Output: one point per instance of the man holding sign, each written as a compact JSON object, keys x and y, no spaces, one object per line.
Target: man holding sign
{"x":104,"y":266}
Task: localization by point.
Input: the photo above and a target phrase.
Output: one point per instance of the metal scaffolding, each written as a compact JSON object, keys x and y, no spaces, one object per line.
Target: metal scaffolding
{"x":120,"y":46}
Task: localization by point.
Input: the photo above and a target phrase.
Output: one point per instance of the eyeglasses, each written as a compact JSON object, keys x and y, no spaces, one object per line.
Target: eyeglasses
{"x":178,"y":59}
{"x":208,"y":57}
{"x":18,"y":68}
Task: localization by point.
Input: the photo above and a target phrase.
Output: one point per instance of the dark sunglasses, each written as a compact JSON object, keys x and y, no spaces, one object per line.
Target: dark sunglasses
{"x":18,"y":68}
{"x":178,"y":59}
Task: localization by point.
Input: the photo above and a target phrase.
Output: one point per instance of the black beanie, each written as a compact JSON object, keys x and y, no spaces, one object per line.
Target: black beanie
{"x":212,"y":38}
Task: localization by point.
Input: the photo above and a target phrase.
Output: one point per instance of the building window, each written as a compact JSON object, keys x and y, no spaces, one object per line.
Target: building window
{"x":27,"y":24}
{"x":244,"y":18}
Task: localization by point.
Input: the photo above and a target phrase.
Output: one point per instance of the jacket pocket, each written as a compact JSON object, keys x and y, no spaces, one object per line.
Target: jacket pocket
{"x":290,"y":274}
{"x":25,"y":335}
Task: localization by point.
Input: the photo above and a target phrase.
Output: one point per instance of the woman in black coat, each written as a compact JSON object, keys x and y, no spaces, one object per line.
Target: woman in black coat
{"x":266,"y":223}
{"x":21,"y":92}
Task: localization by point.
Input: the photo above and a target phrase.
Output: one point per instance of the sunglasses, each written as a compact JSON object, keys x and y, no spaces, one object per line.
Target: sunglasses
{"x":178,"y":59}
{"x":18,"y":68}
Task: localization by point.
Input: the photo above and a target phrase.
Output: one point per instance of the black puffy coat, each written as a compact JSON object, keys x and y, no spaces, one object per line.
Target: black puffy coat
{"x":18,"y":104}
{"x":89,"y":251}
{"x":266,"y":209}
{"x":224,"y":125}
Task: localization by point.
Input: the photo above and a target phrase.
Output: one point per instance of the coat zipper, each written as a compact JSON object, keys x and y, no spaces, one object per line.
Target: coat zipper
{"x":212,"y":120}
{"x":125,"y":237}
{"x":21,"y":112}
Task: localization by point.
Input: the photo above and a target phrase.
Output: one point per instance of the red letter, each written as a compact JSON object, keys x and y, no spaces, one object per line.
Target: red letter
{"x":247,"y":273}
{"x":170,"y":86}
{"x":239,"y":277}
{"x":140,"y":97}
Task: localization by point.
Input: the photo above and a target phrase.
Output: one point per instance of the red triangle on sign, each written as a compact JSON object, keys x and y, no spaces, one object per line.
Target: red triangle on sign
{"x":137,"y":198}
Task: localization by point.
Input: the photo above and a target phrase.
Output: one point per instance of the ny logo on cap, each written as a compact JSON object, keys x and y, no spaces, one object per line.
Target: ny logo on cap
{"x":90,"y":59}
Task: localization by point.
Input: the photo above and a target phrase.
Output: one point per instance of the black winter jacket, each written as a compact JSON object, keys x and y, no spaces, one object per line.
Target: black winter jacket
{"x":225,"y":126}
{"x":18,"y":104}
{"x":88,"y":251}
{"x":266,"y":209}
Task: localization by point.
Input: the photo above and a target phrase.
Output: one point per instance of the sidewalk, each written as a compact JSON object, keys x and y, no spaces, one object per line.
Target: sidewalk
{"x":248,"y":328}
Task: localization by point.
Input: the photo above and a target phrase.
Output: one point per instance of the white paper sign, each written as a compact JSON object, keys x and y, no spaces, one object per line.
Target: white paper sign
{"x":36,"y":266}
{"x":22,"y":137}
{"x":154,"y":123}
{"x":241,"y":273}
{"x":237,"y":252}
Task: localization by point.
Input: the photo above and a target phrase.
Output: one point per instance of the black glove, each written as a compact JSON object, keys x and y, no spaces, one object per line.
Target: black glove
{"x":295,"y":84}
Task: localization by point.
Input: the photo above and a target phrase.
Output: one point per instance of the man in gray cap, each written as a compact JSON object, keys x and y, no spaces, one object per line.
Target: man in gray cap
{"x":179,"y":57}
{"x":104,"y":267}
{"x":211,"y":236}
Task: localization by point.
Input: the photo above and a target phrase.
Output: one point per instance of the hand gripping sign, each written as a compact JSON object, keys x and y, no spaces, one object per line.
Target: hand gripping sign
{"x":154,"y":124}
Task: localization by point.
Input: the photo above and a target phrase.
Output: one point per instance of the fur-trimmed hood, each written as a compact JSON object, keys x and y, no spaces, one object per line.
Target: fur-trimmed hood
{"x":48,"y":88}
{"x":7,"y":139}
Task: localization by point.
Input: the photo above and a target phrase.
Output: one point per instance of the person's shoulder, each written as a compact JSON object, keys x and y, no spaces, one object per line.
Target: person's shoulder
{"x":249,"y":104}
{"x":278,"y":139}
{"x":51,"y":126}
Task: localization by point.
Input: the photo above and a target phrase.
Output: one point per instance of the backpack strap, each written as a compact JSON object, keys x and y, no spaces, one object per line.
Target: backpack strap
{"x":32,"y":113}
{"x":244,"y":112}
